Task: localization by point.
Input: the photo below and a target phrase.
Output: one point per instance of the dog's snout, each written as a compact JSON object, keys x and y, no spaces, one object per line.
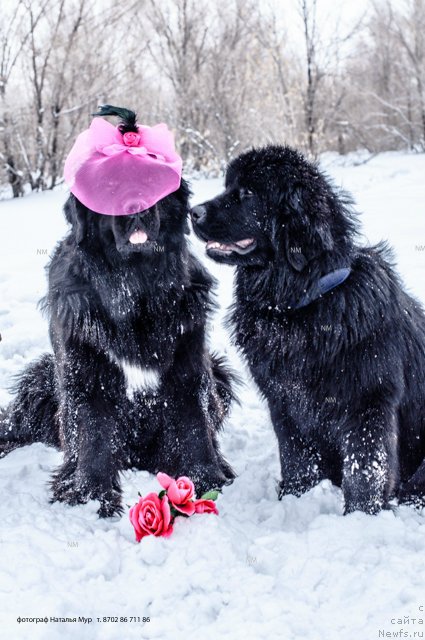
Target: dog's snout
{"x":198,"y":213}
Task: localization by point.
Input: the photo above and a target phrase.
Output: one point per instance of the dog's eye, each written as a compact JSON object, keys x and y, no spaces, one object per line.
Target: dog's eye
{"x":245,"y":193}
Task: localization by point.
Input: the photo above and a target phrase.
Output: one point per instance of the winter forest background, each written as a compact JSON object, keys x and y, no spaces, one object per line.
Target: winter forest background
{"x":224,"y":75}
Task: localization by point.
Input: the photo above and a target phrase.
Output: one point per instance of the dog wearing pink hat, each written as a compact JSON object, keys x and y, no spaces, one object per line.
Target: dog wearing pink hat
{"x":130,"y":382}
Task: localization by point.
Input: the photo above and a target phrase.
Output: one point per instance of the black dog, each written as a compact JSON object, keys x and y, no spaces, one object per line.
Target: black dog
{"x":335,"y":344}
{"x":131,"y":382}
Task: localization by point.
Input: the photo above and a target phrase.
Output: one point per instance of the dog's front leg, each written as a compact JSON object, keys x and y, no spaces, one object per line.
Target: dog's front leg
{"x":91,"y":438}
{"x":188,"y":444}
{"x":370,"y":459}
{"x":90,"y":468}
{"x":299,"y":460}
{"x":188,"y":441}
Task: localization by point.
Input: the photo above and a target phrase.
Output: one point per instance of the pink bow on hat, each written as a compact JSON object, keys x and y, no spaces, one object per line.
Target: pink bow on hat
{"x":118,"y":173}
{"x":112,"y":149}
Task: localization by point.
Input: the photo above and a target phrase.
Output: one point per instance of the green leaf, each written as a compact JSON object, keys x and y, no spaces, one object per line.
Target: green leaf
{"x":177,"y":514}
{"x":161,"y":494}
{"x":210,"y":495}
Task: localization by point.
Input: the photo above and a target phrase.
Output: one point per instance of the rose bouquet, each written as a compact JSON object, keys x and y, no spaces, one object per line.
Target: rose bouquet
{"x":154,"y":514}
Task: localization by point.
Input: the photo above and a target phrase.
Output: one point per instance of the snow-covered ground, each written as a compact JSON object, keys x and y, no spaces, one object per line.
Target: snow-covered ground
{"x":295,"y":569}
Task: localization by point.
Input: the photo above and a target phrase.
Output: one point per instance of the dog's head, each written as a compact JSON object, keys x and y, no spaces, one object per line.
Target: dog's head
{"x":276,"y":206}
{"x":156,"y":230}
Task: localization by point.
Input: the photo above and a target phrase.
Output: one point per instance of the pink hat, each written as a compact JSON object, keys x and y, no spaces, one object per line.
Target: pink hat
{"x":118,"y":173}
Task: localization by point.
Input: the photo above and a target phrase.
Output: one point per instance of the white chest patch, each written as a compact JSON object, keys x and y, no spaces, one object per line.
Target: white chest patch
{"x":137,"y":378}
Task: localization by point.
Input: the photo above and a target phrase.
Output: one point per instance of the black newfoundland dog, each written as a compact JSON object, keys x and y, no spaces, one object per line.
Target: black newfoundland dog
{"x":131,"y":382}
{"x":335,"y":344}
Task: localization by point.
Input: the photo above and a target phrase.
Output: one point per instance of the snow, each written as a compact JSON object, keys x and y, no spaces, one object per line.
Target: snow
{"x":262,"y":569}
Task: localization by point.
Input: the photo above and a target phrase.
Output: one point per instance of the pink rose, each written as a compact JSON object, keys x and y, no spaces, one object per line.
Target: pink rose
{"x":131,"y":139}
{"x":151,"y":516}
{"x":205,"y":506}
{"x":180,"y":492}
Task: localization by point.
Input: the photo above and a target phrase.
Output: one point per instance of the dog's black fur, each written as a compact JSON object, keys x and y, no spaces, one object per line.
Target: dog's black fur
{"x":146,"y":304}
{"x":344,"y":376}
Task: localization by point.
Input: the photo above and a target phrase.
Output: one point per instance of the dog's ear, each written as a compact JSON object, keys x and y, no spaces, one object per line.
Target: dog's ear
{"x":76,"y":214}
{"x":183,"y":195}
{"x":307,"y":232}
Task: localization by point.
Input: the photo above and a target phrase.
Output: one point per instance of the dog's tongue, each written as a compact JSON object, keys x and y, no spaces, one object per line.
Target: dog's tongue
{"x":138,"y":237}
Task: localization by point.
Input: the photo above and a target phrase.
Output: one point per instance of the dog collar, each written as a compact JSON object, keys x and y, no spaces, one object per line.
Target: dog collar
{"x":326,"y":283}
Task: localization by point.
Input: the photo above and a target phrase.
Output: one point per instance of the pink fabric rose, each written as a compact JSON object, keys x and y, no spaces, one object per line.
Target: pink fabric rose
{"x":205,"y":506}
{"x":180,"y":492}
{"x":131,"y":138}
{"x":151,"y":516}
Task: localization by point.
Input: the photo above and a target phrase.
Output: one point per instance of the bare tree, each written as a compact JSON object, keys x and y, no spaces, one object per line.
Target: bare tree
{"x":410,"y":29}
{"x":283,"y":77}
{"x":180,"y":51}
{"x":13,"y":37}
{"x":233,"y":84}
{"x":314,"y":75}
{"x":387,"y":74}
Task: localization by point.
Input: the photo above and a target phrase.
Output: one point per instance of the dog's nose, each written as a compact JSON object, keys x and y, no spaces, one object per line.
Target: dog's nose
{"x":198,"y":213}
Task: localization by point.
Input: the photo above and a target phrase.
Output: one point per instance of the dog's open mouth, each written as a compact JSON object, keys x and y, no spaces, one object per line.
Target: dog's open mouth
{"x":138,"y":237}
{"x":241,"y":246}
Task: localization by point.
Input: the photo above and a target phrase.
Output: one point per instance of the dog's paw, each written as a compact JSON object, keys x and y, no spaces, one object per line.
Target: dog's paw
{"x":228,"y":471}
{"x":282,"y":490}
{"x":411,"y":496}
{"x":208,"y":478}
{"x":74,"y":490}
{"x":295,"y":488}
{"x":110,"y":501}
{"x":372,"y":508}
{"x":62,"y":485}
{"x":68,"y":494}
{"x":110,"y":505}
